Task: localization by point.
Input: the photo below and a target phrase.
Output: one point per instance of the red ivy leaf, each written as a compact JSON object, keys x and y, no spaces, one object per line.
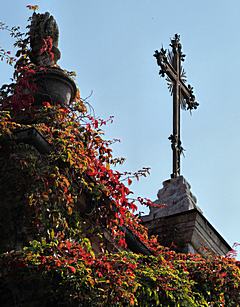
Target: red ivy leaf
{"x":129,"y":181}
{"x":72,"y":269}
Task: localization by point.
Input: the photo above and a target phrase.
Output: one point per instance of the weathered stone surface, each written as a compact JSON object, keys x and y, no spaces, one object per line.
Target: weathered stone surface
{"x":181,"y":224}
{"x":43,"y":27}
{"x":54,"y":86}
{"x":188,"y":232}
{"x":176,"y":197}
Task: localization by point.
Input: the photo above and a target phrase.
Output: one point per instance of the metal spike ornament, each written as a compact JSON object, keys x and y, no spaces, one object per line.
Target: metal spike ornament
{"x":170,"y":66}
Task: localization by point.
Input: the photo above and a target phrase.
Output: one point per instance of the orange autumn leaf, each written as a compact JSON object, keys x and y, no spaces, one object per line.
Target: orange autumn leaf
{"x":33,"y":7}
{"x":69,"y":209}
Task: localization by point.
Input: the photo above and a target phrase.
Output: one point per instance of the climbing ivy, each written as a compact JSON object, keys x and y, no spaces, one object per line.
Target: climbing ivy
{"x":78,"y":207}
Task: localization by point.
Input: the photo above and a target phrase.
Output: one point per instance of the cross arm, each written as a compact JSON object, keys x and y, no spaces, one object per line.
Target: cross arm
{"x":166,"y":67}
{"x":187,"y":93}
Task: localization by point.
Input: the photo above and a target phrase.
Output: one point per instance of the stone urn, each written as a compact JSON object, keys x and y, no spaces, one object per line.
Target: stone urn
{"x":54,"y":86}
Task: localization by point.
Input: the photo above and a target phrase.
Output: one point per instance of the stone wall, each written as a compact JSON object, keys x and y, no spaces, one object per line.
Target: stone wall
{"x":180,"y":223}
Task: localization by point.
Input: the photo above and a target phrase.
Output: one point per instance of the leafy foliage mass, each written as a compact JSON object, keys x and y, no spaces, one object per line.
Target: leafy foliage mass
{"x":77,"y":209}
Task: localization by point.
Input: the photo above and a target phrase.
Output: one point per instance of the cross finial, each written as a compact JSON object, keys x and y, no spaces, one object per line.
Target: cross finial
{"x":170,"y":65}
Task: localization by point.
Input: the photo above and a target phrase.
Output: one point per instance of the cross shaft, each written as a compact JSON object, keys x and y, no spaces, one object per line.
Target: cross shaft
{"x":170,"y":64}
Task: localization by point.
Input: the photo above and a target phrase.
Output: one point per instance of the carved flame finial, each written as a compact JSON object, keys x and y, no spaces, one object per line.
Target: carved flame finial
{"x":44,"y":35}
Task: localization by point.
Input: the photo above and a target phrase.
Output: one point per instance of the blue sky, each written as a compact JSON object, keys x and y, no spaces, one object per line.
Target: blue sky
{"x":110,"y":44}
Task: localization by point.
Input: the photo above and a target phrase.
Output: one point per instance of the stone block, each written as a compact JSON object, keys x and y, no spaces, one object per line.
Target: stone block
{"x":181,"y":223}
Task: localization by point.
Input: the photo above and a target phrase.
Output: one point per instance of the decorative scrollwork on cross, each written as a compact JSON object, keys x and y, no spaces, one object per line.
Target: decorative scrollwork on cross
{"x":171,"y":68}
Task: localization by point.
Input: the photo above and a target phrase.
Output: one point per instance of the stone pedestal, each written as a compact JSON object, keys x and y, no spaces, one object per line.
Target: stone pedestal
{"x":180,"y":224}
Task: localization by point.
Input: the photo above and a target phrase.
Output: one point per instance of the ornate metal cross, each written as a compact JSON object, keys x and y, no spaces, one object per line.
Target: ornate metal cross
{"x":170,"y":64}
